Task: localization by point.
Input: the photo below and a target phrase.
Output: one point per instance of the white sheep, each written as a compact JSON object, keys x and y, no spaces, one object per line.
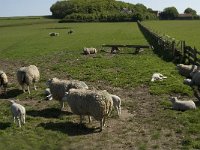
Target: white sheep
{"x":27,"y":76}
{"x":116,"y":103}
{"x":91,"y":50}
{"x":157,"y":76}
{"x":53,"y":34}
{"x":18,"y":111}
{"x":3,"y":81}
{"x":59,"y":87}
{"x":182,"y":105}
{"x":185,"y":70}
{"x":97,"y":104}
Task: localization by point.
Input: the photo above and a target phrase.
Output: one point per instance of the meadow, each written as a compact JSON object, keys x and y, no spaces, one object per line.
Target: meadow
{"x":144,"y":123}
{"x":181,"y":30}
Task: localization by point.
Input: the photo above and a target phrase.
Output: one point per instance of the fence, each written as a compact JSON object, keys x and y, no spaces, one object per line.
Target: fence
{"x":169,"y":48}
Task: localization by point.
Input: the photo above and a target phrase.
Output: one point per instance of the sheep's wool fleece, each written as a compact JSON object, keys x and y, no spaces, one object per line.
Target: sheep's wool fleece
{"x":59,"y":87}
{"x":185,"y":70}
{"x":86,"y":102}
{"x":28,"y":75}
{"x":4,"y":79}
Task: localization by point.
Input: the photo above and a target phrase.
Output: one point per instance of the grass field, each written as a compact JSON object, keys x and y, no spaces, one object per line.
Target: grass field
{"x":144,"y":123}
{"x":180,"y":30}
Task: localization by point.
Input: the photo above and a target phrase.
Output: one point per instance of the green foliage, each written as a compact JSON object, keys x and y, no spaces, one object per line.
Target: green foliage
{"x":190,"y":11}
{"x":99,"y":10}
{"x":169,"y":13}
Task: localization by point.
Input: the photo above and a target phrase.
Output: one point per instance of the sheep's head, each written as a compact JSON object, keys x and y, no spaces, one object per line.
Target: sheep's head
{"x":173,"y":99}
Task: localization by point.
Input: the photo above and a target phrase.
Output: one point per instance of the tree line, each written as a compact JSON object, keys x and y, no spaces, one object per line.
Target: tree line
{"x":100,"y":10}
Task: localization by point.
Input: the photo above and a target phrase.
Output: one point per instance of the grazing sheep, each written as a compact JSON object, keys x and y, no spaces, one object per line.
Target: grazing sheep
{"x":116,"y":103}
{"x":59,"y":87}
{"x":91,"y":50}
{"x":27,"y":76}
{"x":157,"y":76}
{"x":18,"y":111}
{"x":53,"y":34}
{"x":182,"y":105}
{"x":91,"y":103}
{"x":3,"y":81}
{"x":185,"y":70}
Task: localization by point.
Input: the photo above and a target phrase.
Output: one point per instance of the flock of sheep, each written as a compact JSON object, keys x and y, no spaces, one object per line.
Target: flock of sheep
{"x":82,"y":101}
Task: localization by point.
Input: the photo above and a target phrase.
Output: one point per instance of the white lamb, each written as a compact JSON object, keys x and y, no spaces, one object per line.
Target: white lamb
{"x":185,"y":70}
{"x":3,"y":81}
{"x":182,"y":105}
{"x":18,"y":111}
{"x":59,"y":87}
{"x":116,"y":103}
{"x":91,"y":50}
{"x":27,"y":76}
{"x":91,"y":103}
{"x":157,"y":76}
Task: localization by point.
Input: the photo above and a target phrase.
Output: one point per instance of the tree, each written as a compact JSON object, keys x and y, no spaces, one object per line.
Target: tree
{"x":190,"y":11}
{"x":169,"y":13}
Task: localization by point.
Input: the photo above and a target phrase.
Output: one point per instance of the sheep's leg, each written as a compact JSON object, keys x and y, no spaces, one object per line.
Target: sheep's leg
{"x":35,"y":88}
{"x":104,"y":120}
{"x":23,"y":88}
{"x":28,"y":89}
{"x":19,"y":122}
{"x":90,"y":119}
{"x":101,"y":124}
{"x":120,"y":110}
{"x":14,"y":119}
{"x":62,"y":105}
{"x":23,"y":118}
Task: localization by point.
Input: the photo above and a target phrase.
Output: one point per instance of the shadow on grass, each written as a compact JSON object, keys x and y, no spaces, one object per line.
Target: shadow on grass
{"x":4,"y":125}
{"x":70,"y":128}
{"x":47,"y":113}
{"x":11,"y":94}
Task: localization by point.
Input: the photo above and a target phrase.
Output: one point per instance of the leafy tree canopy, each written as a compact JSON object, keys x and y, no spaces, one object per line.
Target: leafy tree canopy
{"x":190,"y":11}
{"x":169,"y":13}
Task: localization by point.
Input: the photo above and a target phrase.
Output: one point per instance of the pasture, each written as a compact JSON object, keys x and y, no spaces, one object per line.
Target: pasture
{"x":181,"y":30}
{"x":144,"y":123}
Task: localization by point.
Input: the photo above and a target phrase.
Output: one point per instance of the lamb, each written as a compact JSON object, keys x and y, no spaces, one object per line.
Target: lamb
{"x":3,"y":81}
{"x":97,"y":104}
{"x":18,"y":111}
{"x":182,"y":105}
{"x":157,"y":76}
{"x":59,"y":87}
{"x":91,"y":50}
{"x":54,"y":34}
{"x":48,"y":94}
{"x":27,"y":76}
{"x":116,"y":103}
{"x":185,"y":70}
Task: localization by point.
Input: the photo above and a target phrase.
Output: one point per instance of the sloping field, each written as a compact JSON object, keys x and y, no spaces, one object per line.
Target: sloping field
{"x":144,"y":123}
{"x":180,"y":30}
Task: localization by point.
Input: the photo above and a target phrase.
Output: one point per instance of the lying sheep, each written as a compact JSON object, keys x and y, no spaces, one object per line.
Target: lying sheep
{"x":116,"y":103}
{"x":53,"y":34}
{"x":157,"y":76}
{"x":182,"y":105}
{"x":91,"y":103}
{"x":18,"y":111}
{"x":91,"y":50}
{"x":195,"y":74}
{"x":27,"y":76}
{"x":185,"y":70}
{"x":3,"y":81}
{"x":59,"y":87}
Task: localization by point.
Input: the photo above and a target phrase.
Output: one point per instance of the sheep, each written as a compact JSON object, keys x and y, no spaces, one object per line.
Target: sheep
{"x":59,"y":87}
{"x":70,"y":31}
{"x":97,"y":104}
{"x":27,"y":76}
{"x":195,"y":74}
{"x":48,"y":94}
{"x":53,"y":34}
{"x":91,"y":50}
{"x":116,"y":103}
{"x":3,"y":81}
{"x":182,"y":105}
{"x":185,"y":70}
{"x":157,"y":76}
{"x":18,"y":111}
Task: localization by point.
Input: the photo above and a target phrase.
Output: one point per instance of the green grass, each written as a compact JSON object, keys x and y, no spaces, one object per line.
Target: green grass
{"x":181,"y":30}
{"x":46,"y":128}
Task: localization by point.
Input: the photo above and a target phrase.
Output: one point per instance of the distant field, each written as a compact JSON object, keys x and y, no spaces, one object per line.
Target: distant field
{"x":181,"y":30}
{"x":147,"y":122}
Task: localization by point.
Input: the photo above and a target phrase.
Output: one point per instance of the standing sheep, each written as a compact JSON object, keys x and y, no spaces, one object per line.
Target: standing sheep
{"x":88,"y":51}
{"x":59,"y":87}
{"x":116,"y":103}
{"x":91,"y":103}
{"x":185,"y":70}
{"x":18,"y":111}
{"x":3,"y":81}
{"x":182,"y":105}
{"x":27,"y":76}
